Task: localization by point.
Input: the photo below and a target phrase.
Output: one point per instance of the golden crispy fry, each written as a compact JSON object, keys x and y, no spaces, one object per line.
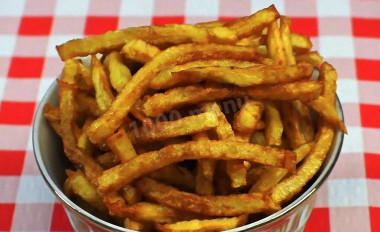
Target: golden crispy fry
{"x":245,"y":121}
{"x":211,"y":24}
{"x":300,"y":43}
{"x":87,"y":104}
{"x":291,"y":122}
{"x":123,"y":174}
{"x":166,"y":79}
{"x":119,"y":73}
{"x":193,"y":94}
{"x":270,"y":176}
{"x":252,"y":41}
{"x":131,"y":194}
{"x":325,"y":105}
{"x":52,"y":114}
{"x":311,"y":57}
{"x":183,"y":126}
{"x":83,"y":141}
{"x":235,"y":168}
{"x":114,"y":116}
{"x":285,"y":38}
{"x":139,"y":50}
{"x":84,"y":189}
{"x":275,"y":46}
{"x":67,"y":188}
{"x":155,"y":35}
{"x":258,"y":137}
{"x":273,"y":125}
{"x":136,"y":225}
{"x":85,"y":72}
{"x":305,"y":120}
{"x":175,"y":175}
{"x":218,"y":224}
{"x":205,"y":170}
{"x":293,"y":184}
{"x":255,"y":23}
{"x":67,"y":116}
{"x":243,"y":77}
{"x":103,"y":93}
{"x":108,"y":160}
{"x":121,"y":146}
{"x":232,"y":205}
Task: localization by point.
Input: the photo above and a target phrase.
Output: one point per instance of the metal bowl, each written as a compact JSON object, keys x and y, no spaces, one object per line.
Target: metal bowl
{"x":52,"y":163}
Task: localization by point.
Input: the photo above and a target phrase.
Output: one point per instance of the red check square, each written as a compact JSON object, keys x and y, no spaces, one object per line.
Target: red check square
{"x":100,"y":24}
{"x":374,"y":214}
{"x":368,"y":70}
{"x":14,"y":161}
{"x":60,"y":221}
{"x":363,"y":27}
{"x":306,"y":26}
{"x":6,"y":215}
{"x":163,"y":20}
{"x":370,"y":115}
{"x":226,"y":18}
{"x":26,"y":67}
{"x":372,"y":165}
{"x":35,"y":25}
{"x":319,"y":220}
{"x":19,"y":113}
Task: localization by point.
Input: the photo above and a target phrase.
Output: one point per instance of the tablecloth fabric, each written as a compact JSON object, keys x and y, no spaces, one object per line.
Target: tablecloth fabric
{"x":347,"y":34}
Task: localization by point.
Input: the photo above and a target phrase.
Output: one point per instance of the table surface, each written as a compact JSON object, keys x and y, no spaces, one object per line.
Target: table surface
{"x":347,"y":34}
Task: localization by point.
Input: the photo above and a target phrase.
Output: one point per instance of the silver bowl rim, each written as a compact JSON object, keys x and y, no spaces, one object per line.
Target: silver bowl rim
{"x":106,"y":225}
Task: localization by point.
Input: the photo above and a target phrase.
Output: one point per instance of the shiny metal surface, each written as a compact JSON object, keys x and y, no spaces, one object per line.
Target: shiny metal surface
{"x":52,"y":164}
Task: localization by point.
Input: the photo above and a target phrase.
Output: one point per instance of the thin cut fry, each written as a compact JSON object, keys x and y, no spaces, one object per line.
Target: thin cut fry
{"x":232,"y":205}
{"x":175,"y":175}
{"x":52,"y":114}
{"x":311,"y":57}
{"x":300,"y":43}
{"x":183,"y":126}
{"x":83,"y":141}
{"x":139,"y":50}
{"x":285,"y":38}
{"x":103,"y":93}
{"x":131,"y":195}
{"x":118,"y":176}
{"x":121,"y":146}
{"x":119,"y":73}
{"x":112,"y":119}
{"x":87,"y":104}
{"x":275,"y":46}
{"x":273,"y":125}
{"x":205,"y":170}
{"x":243,"y":77}
{"x":245,"y":121}
{"x":291,"y":123}
{"x":255,"y":23}
{"x":193,"y":94}
{"x":218,"y":224}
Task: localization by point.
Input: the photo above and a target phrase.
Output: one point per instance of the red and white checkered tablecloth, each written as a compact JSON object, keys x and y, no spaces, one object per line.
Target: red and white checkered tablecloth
{"x":347,"y":34}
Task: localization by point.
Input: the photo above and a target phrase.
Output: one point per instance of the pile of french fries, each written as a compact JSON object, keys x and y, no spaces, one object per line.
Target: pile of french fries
{"x":154,"y":148}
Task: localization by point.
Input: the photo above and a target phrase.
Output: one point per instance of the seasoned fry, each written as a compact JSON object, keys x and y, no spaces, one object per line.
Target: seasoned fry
{"x":245,"y":121}
{"x":184,"y":126}
{"x":300,"y":43}
{"x":258,"y":137}
{"x":192,"y":94}
{"x":114,"y":116}
{"x":83,"y":141}
{"x":175,"y":175}
{"x":219,"y":224}
{"x":232,"y":205}
{"x":108,"y":160}
{"x":123,"y":174}
{"x":311,"y":57}
{"x":243,"y":77}
{"x":52,"y":114}
{"x":103,"y":93}
{"x":291,"y":123}
{"x":285,"y":38}
{"x":87,"y":104}
{"x":119,"y":73}
{"x":275,"y":46}
{"x":139,"y":50}
{"x":273,"y":125}
{"x":255,"y":23}
{"x":121,"y":146}
{"x":131,"y":195}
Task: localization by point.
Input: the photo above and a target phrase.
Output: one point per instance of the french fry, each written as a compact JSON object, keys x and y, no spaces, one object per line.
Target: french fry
{"x":118,"y":176}
{"x":244,"y":77}
{"x":255,"y":23}
{"x":119,"y":73}
{"x":305,"y":121}
{"x":193,"y":94}
{"x":139,"y":50}
{"x":67,"y":119}
{"x":103,"y":93}
{"x":205,"y":170}
{"x":273,"y":125}
{"x":136,"y":225}
{"x":275,"y":46}
{"x":108,"y":160}
{"x":258,"y":137}
{"x":131,"y":195}
{"x":232,"y":205}
{"x":285,"y":38}
{"x":245,"y":121}
{"x":52,"y":114}
{"x":112,"y":119}
{"x":311,"y":57}
{"x":235,"y":168}
{"x":300,"y":43}
{"x":83,"y":141}
{"x":219,"y":224}
{"x":87,"y":104}
{"x":291,"y":123}
{"x":175,"y":175}
{"x":121,"y":146}
{"x":183,"y":126}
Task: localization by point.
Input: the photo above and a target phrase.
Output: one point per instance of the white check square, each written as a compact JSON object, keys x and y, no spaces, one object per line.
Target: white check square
{"x":336,"y":46}
{"x":202,"y":8}
{"x":348,"y":90}
{"x":347,"y":192}
{"x":12,"y":8}
{"x":333,"y":8}
{"x":33,"y":189}
{"x":7,"y":44}
{"x":353,"y":142}
{"x":72,"y":7}
{"x":257,"y":5}
{"x":137,"y":8}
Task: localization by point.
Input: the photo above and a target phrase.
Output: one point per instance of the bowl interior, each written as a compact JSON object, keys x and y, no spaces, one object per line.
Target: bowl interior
{"x":52,"y":162}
